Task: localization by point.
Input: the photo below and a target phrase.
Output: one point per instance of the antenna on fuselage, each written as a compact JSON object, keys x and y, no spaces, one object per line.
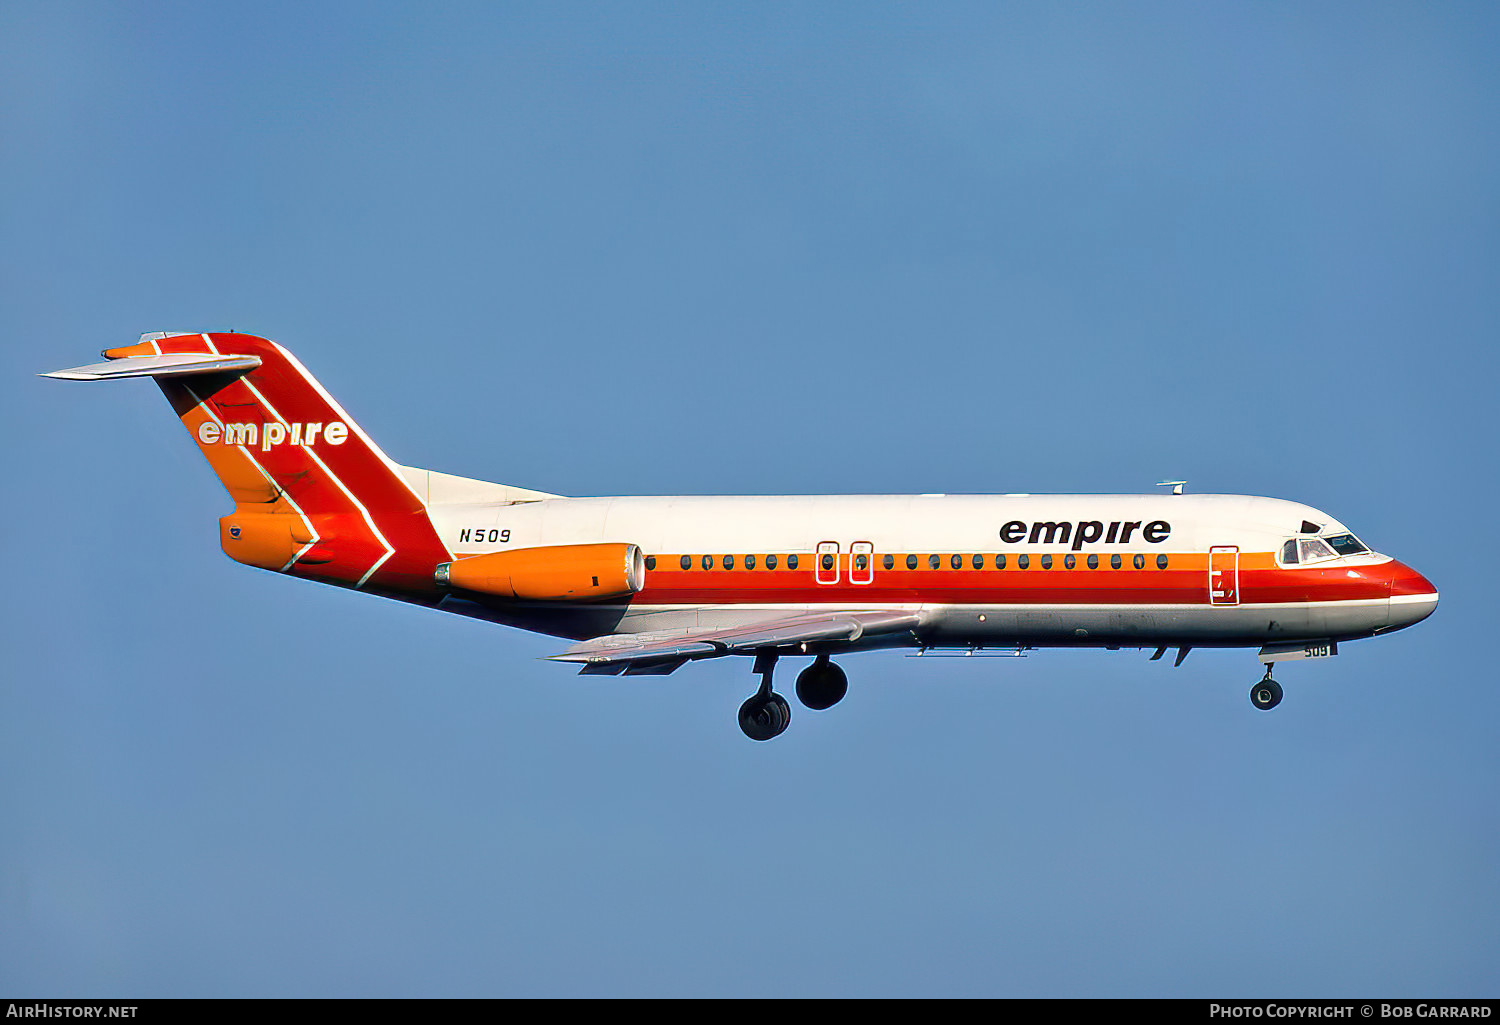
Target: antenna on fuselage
{"x":1175,"y":485}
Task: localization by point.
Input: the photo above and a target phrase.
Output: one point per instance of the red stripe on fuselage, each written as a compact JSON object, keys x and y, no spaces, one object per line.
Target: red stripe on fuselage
{"x":1187,"y":585}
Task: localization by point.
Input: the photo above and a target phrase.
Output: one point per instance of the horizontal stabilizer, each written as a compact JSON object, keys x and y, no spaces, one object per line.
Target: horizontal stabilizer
{"x":172,"y":365}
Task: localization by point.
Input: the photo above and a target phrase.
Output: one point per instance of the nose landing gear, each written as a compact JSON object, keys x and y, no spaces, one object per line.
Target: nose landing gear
{"x":1266,"y":694}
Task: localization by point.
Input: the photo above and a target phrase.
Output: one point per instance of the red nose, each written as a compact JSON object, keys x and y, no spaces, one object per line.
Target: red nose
{"x":1412,"y":597}
{"x":1405,"y":580}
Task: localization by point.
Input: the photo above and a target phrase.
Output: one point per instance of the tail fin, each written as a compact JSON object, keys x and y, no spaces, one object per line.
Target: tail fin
{"x":313,"y":495}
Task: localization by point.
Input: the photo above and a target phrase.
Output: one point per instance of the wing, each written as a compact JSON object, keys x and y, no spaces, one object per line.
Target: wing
{"x":662,"y":652}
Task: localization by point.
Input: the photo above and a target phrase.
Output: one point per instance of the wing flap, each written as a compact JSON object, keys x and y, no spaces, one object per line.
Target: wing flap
{"x":641,"y":654}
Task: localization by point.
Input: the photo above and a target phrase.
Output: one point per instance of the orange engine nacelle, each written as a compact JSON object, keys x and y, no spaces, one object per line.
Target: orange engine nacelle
{"x":554,"y":573}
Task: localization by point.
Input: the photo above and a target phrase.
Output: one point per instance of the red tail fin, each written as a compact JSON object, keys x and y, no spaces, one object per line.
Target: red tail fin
{"x":314,"y":496}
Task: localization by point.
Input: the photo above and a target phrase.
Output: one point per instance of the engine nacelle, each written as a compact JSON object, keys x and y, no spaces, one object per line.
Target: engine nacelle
{"x":553,"y":573}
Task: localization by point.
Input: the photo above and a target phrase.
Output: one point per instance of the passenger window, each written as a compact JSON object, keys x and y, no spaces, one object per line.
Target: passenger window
{"x":889,"y":562}
{"x":686,"y":562}
{"x":957,"y":562}
{"x":791,"y":562}
{"x":749,"y":562}
{"x":729,"y":562}
{"x":1069,"y":562}
{"x":911,"y":562}
{"x":828,"y":562}
{"x":1023,"y":561}
{"x":1139,"y":562}
{"x":1046,"y":562}
{"x":979,"y":562}
{"x":708,"y":562}
{"x":650,"y":562}
{"x":770,"y":562}
{"x":999,"y":562}
{"x":1161,"y":562}
{"x":1114,"y":562}
{"x":1093,"y":562}
{"x":861,"y":561}
{"x":934,"y":561}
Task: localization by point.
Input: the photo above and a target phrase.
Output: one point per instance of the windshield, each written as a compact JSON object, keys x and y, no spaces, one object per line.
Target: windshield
{"x":1303,"y":550}
{"x":1346,"y":544}
{"x":1313,"y":549}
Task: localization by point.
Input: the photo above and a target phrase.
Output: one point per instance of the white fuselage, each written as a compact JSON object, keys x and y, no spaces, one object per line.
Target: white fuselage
{"x":1161,"y":593}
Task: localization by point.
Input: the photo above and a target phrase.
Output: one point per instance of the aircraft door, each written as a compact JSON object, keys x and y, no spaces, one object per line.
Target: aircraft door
{"x":826,"y":568}
{"x":1224,"y":575}
{"x":861,"y":562}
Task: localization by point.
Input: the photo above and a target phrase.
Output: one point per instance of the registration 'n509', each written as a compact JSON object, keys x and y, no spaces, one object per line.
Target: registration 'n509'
{"x":1298,"y":650}
{"x":483,"y":534}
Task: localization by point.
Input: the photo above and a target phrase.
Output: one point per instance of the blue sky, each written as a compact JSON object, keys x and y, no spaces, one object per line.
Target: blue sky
{"x":760,"y":248}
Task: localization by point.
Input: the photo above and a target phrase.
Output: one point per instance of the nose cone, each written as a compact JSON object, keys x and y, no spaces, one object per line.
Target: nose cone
{"x":1412,"y":596}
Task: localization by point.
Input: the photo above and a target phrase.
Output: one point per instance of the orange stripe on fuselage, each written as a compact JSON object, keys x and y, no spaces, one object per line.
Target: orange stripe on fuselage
{"x":1183,"y":582}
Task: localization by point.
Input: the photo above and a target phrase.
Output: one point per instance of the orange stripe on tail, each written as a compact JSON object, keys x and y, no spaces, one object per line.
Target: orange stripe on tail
{"x":314,"y":496}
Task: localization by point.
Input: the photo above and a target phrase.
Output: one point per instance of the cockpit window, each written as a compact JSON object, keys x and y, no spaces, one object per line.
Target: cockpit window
{"x":1289,"y":553}
{"x":1313,"y":549}
{"x":1346,"y":544}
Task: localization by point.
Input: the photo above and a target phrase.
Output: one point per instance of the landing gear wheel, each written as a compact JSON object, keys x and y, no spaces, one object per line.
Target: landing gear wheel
{"x":763,"y":718}
{"x":822,"y":684}
{"x":1266,"y":694}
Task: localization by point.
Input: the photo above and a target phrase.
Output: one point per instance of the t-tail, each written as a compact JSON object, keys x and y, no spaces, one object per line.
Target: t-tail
{"x":313,"y":495}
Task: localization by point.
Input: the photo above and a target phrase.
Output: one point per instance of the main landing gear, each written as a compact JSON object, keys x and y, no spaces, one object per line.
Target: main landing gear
{"x":822,"y":684}
{"x":766,"y":714}
{"x":1266,"y":694}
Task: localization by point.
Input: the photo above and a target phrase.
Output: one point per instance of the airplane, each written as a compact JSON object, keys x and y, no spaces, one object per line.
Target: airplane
{"x":646,"y":585}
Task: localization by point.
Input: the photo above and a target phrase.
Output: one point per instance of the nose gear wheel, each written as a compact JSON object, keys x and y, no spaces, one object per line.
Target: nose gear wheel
{"x":1266,"y":694}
